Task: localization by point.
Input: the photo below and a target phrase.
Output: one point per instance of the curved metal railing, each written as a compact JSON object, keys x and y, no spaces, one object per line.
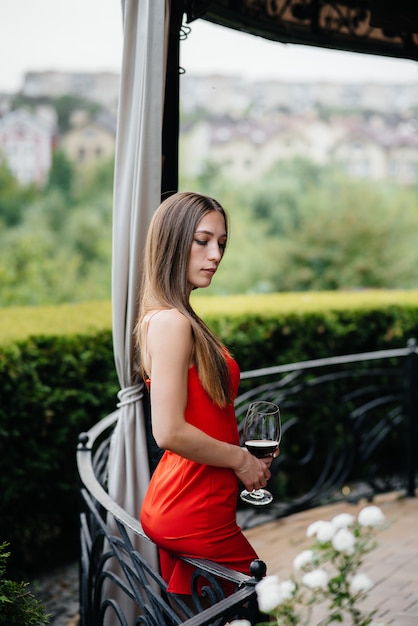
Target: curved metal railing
{"x":110,"y":559}
{"x":348,"y":431}
{"x":349,"y":428}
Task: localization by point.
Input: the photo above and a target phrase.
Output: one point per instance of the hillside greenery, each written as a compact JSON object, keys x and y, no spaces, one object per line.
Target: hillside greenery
{"x":299,"y":228}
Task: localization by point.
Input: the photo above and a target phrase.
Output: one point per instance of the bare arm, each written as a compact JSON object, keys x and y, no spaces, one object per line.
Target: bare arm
{"x":169,"y":349}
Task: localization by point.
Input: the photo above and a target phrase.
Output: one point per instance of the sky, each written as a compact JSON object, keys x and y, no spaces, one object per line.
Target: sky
{"x":86,"y":35}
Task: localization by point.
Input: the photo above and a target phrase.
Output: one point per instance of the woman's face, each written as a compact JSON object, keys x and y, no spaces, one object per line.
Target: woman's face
{"x":207,"y":249}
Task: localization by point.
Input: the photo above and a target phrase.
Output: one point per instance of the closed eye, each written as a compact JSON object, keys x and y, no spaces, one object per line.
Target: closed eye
{"x":203,"y":242}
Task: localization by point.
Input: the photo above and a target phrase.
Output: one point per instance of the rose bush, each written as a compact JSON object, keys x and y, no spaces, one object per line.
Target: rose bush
{"x":328,"y":574}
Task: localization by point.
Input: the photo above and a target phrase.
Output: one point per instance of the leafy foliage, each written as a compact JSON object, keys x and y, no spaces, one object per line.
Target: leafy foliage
{"x":18,"y":607}
{"x":305,"y":227}
{"x":13,"y":197}
{"x":300,"y":228}
{"x":57,"y":247}
{"x":61,"y":175}
{"x":344,"y":235}
{"x":53,"y":388}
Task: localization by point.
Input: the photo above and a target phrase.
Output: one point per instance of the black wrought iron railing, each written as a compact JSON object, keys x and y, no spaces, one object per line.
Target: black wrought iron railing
{"x":110,"y":560}
{"x":349,"y":431}
{"x":349,"y":428}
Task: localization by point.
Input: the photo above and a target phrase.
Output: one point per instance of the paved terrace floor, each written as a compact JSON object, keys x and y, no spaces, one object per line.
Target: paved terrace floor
{"x":393,"y":565}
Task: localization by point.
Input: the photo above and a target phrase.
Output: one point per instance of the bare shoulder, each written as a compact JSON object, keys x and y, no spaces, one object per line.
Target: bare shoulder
{"x":170,"y":328}
{"x":169,"y":338}
{"x":169,"y":320}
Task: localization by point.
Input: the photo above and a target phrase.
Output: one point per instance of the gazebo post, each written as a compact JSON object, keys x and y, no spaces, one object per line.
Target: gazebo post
{"x":171,"y":119}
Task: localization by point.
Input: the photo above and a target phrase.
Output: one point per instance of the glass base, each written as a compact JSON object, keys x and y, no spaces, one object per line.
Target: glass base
{"x":257,"y":497}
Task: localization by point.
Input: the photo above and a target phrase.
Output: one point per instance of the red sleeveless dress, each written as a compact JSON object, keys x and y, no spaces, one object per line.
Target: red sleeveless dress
{"x":189,"y":508}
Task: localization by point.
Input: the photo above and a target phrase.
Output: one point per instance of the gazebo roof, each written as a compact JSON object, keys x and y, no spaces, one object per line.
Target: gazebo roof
{"x":382,"y":27}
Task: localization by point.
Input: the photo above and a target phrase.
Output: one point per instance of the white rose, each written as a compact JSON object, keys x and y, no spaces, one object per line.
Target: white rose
{"x":313,"y":528}
{"x":287,"y":587}
{"x":344,"y":541}
{"x":239,"y":622}
{"x":318,"y":579}
{"x":343,"y":520}
{"x":371,"y":516}
{"x":325,"y":532}
{"x":360,"y":583}
{"x":268,"y":593}
{"x":303,"y":559}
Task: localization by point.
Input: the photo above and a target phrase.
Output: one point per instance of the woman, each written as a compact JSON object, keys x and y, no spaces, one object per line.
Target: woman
{"x":190,"y":505}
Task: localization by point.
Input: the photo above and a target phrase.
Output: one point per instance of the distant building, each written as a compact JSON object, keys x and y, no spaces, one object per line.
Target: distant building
{"x":246,"y":149}
{"x":244,"y":127}
{"x":389,"y":153}
{"x":26,"y":140}
{"x":101,"y":87}
{"x":90,"y":139}
{"x":235,"y":95}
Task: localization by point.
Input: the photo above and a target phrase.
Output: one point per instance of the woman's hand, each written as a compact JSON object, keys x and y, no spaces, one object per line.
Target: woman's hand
{"x":252,"y":472}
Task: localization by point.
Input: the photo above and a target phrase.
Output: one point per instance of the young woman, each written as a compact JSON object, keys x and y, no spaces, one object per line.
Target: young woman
{"x":190,"y":506}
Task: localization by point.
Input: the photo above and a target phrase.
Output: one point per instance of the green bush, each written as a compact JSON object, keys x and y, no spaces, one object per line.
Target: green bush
{"x":274,"y":329}
{"x":57,"y":379}
{"x":53,"y":388}
{"x":18,"y":607}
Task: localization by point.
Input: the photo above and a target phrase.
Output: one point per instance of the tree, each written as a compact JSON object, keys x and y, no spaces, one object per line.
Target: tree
{"x":61,"y":174}
{"x":13,"y":196}
{"x":307,"y":227}
{"x":60,"y":251}
{"x":357,"y":237}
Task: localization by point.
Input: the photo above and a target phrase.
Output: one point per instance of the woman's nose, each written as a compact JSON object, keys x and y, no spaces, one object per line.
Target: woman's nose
{"x":215,"y":253}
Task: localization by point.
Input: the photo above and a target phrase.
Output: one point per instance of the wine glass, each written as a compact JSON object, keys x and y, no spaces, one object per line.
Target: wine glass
{"x":262,"y":434}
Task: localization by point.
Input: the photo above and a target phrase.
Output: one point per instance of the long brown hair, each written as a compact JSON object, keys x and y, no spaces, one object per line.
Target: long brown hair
{"x":165,"y":285}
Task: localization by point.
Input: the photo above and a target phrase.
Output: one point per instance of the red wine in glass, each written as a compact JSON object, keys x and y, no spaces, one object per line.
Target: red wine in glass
{"x":262,"y":434}
{"x":261,"y":447}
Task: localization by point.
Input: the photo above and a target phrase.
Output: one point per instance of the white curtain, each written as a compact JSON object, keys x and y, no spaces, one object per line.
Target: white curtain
{"x":137,"y":191}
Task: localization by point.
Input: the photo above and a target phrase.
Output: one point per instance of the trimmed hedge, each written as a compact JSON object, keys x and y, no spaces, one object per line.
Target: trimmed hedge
{"x":57,"y":378}
{"x":284,"y":328}
{"x":52,"y":389}
{"x":85,"y":318}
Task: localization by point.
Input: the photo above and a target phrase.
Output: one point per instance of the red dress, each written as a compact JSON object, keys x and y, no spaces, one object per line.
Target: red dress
{"x":189,"y":508}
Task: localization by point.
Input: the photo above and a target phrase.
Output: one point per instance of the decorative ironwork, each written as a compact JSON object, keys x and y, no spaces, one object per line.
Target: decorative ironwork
{"x":348,"y":428}
{"x":110,"y":561}
{"x":354,"y":25}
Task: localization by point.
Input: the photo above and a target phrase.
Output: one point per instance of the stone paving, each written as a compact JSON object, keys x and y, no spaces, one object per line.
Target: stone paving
{"x":58,"y":590}
{"x":393,"y":566}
